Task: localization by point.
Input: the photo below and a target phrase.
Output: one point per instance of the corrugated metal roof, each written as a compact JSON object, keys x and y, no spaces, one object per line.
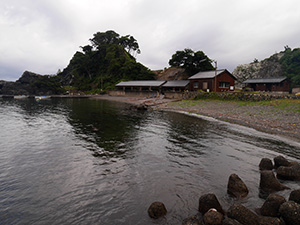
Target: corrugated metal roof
{"x":264,"y":80}
{"x":206,"y":74}
{"x":141,"y":83}
{"x":176,"y":83}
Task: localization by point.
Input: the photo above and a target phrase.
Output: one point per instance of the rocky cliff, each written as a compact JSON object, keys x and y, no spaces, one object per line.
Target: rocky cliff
{"x":172,"y":73}
{"x":285,"y":63}
{"x":270,"y":67}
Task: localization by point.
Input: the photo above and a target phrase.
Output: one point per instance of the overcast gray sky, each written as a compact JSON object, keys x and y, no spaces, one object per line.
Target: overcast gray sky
{"x":42,"y":35}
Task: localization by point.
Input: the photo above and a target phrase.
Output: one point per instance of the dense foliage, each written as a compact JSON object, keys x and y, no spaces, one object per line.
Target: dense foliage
{"x":193,"y":62}
{"x":290,"y":62}
{"x":108,"y":60}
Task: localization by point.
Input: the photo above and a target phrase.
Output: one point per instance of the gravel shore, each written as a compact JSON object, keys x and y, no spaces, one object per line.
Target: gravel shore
{"x":267,"y":118}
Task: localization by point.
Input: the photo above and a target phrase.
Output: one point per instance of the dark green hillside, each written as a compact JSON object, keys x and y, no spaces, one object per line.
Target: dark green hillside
{"x":290,"y":63}
{"x":108,"y":60}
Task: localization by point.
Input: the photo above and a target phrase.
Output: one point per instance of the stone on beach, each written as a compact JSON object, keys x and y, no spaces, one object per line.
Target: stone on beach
{"x":157,"y":209}
{"x":236,"y":186}
{"x":266,"y":164}
{"x":209,"y":201}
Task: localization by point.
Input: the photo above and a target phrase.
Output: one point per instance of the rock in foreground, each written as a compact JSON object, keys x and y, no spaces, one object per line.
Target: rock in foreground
{"x":156,"y":210}
{"x":237,"y":187}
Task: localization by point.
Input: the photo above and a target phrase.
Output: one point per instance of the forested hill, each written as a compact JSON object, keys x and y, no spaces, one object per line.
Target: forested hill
{"x":285,"y":63}
{"x":108,"y":60}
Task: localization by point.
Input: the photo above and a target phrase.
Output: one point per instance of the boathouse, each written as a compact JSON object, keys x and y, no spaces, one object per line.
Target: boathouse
{"x":279,"y":84}
{"x":212,"y":81}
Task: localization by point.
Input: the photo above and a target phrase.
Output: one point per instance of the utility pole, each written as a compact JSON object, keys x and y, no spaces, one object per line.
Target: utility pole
{"x":215,"y":61}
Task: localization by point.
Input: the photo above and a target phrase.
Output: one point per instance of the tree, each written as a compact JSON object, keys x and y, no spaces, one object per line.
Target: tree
{"x":108,"y":60}
{"x":192,"y":61}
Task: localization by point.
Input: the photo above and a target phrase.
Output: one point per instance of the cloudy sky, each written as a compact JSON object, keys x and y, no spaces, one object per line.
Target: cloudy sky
{"x":42,"y":35}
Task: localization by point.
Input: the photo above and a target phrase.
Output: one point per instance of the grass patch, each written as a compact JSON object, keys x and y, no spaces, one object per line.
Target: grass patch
{"x":288,"y":105}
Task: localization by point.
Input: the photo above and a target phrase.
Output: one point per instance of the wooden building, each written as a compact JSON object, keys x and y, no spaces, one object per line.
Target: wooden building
{"x":279,"y":84}
{"x":140,"y":85}
{"x":176,"y":85}
{"x":212,"y":81}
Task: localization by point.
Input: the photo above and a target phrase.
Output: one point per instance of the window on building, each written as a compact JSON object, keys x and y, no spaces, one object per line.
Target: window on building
{"x":196,"y":85}
{"x":224,"y":84}
{"x":205,"y":85}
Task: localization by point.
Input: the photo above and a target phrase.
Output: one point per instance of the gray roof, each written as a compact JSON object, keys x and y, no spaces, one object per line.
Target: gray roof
{"x":176,"y":83}
{"x":206,"y":74}
{"x":264,"y":80}
{"x":141,"y":83}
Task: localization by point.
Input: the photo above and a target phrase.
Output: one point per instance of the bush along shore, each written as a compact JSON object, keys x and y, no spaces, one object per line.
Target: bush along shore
{"x":276,"y":210}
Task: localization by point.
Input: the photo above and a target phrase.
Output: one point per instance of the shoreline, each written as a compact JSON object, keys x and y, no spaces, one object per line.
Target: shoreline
{"x":263,"y":118}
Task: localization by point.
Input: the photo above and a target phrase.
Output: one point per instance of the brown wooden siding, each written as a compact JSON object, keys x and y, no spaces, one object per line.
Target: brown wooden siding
{"x":212,"y":86}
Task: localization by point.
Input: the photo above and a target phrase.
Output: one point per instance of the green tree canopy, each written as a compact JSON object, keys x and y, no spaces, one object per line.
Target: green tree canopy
{"x":192,"y":61}
{"x":290,"y":62}
{"x":108,"y":60}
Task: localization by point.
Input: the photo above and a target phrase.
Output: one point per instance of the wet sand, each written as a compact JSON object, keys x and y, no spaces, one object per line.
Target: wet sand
{"x":264,"y":118}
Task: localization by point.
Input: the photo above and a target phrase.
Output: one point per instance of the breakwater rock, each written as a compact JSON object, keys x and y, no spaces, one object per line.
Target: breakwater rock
{"x":275,"y":210}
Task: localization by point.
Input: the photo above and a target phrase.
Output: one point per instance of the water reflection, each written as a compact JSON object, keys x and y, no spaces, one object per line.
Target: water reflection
{"x":50,"y":175}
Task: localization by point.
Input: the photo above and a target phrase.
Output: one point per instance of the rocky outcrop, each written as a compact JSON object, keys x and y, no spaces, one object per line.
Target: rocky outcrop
{"x":172,"y":73}
{"x":156,"y":210}
{"x":270,"y":67}
{"x":31,"y":84}
{"x":237,"y":187}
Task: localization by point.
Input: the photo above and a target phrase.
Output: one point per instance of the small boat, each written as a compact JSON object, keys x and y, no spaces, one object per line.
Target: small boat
{"x":41,"y":97}
{"x":20,"y":96}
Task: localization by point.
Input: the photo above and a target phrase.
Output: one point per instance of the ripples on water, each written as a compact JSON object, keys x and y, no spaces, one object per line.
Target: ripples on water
{"x":82,"y":161}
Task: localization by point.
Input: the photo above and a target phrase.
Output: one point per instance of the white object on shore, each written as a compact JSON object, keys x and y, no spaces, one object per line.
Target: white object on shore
{"x":41,"y":97}
{"x":20,"y":96}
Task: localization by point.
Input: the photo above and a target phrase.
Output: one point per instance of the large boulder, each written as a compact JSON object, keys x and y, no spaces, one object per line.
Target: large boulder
{"x":156,"y":210}
{"x":290,"y":212}
{"x":209,"y":201}
{"x":289,"y":173}
{"x":213,"y":217}
{"x":236,"y":186}
{"x":271,"y":205}
{"x":295,"y":196}
{"x":269,"y":183}
{"x":280,"y":161}
{"x":266,"y":164}
{"x":243,"y":215}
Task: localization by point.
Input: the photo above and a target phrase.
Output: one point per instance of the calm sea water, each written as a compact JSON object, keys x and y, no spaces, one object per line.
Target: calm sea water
{"x":82,"y":161}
